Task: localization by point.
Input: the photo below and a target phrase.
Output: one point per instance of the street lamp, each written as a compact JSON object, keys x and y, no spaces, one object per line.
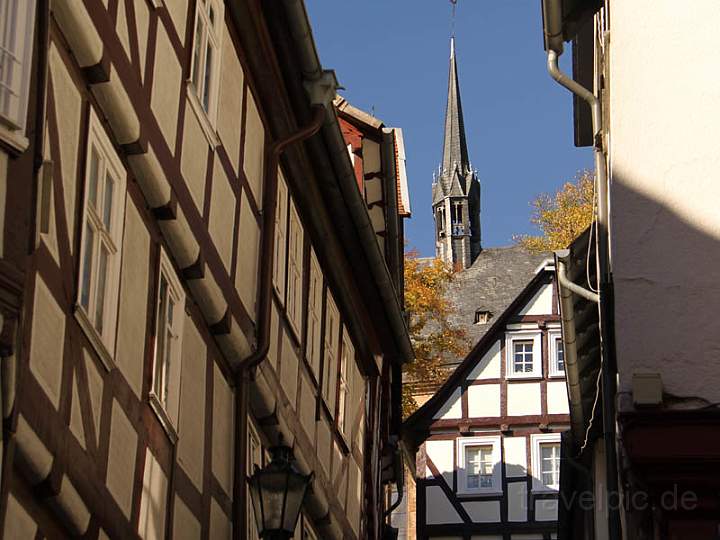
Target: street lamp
{"x":277,"y":491}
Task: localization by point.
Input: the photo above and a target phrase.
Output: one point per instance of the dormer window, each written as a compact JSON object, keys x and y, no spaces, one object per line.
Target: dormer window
{"x":482,"y":316}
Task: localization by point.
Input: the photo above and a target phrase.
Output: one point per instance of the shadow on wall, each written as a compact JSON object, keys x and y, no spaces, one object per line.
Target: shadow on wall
{"x":666,"y":270}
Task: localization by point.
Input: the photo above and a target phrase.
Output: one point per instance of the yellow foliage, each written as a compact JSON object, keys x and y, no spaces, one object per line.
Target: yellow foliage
{"x":561,"y":217}
{"x":433,"y":337}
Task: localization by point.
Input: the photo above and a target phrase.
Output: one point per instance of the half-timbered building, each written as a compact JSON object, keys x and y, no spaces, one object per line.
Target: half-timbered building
{"x":189,"y":274}
{"x":488,"y":441}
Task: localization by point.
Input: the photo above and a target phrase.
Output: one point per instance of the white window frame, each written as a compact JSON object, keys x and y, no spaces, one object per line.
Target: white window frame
{"x":207,"y":35}
{"x":536,"y":440}
{"x":536,"y":337}
{"x":168,"y":372}
{"x":553,"y":366}
{"x":347,"y":363}
{"x":465,"y":442}
{"x":293,"y":304}
{"x":280,"y":247}
{"x":313,"y":339}
{"x":17,"y":28}
{"x":109,"y":163}
{"x":331,"y":353}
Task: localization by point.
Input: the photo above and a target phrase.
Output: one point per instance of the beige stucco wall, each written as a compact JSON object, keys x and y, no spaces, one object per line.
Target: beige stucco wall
{"x":664,"y":91}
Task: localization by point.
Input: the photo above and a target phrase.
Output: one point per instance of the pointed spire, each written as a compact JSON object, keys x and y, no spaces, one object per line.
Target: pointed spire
{"x":455,"y":146}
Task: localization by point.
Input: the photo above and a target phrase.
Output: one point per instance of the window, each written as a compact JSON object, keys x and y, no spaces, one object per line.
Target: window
{"x":169,"y":318}
{"x":280,"y":248}
{"x":330,"y":356}
{"x":546,"y":461}
{"x":479,"y":466}
{"x":254,"y":457}
{"x":346,"y":357}
{"x":205,"y":69}
{"x":557,"y":354}
{"x":314,"y":316}
{"x":482,"y":316}
{"x":479,"y":463}
{"x":17,"y":19}
{"x":440,"y":221}
{"x":295,"y":272}
{"x":523,"y":354}
{"x":101,"y":241}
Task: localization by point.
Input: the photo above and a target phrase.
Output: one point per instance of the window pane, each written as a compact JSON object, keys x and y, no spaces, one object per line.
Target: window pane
{"x":550,"y":464}
{"x":162,"y":335}
{"x":87,"y":268}
{"x":100,"y":294}
{"x":107,"y":204}
{"x":560,"y":354}
{"x":197,"y":54}
{"x":208,"y":75}
{"x":93,"y":179}
{"x":479,"y":464}
{"x":523,"y":356}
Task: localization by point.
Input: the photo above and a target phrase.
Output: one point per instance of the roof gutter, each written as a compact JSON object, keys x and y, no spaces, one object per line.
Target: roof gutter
{"x":349,"y":194}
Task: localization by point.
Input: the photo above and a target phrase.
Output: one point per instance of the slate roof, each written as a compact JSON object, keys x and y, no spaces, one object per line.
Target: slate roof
{"x":491,"y":284}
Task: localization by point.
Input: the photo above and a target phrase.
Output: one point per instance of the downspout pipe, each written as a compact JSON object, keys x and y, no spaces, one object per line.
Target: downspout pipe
{"x":246,"y":372}
{"x":603,"y":262}
{"x":572,"y":370}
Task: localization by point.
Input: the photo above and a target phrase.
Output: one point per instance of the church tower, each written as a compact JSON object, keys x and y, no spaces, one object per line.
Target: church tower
{"x":455,"y":188}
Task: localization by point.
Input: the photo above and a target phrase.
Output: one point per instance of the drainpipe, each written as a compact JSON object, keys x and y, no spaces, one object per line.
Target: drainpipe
{"x":246,"y":372}
{"x":572,"y":370}
{"x":553,"y":30}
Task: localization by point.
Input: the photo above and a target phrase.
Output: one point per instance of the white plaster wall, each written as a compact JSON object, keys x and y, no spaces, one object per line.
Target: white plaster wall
{"x":523,"y":399}
{"x":515,"y":456}
{"x":489,"y":365}
{"x":18,"y":522}
{"x":121,"y":459}
{"x":483,"y":511}
{"x":230,"y":100}
{"x":517,"y":501}
{"x":557,"y":398}
{"x":68,"y":110}
{"x":442,"y":454}
{"x":546,"y":510}
{"x":540,"y":303}
{"x":438,"y":508}
{"x":664,"y":90}
{"x":185,"y":524}
{"x":48,"y":338}
{"x":193,"y":162}
{"x":483,"y":400}
{"x":167,"y":77}
{"x":452,"y":409}
{"x":191,"y":450}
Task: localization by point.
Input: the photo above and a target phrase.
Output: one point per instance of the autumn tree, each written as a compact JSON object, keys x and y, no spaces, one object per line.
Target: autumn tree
{"x":435,"y":339}
{"x":563,"y":216}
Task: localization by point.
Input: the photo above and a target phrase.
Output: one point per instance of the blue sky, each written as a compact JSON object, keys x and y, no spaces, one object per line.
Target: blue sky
{"x":392,"y":58}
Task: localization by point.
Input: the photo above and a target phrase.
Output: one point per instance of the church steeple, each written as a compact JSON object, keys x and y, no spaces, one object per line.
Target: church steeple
{"x":455,"y":146}
{"x":456,"y":190}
